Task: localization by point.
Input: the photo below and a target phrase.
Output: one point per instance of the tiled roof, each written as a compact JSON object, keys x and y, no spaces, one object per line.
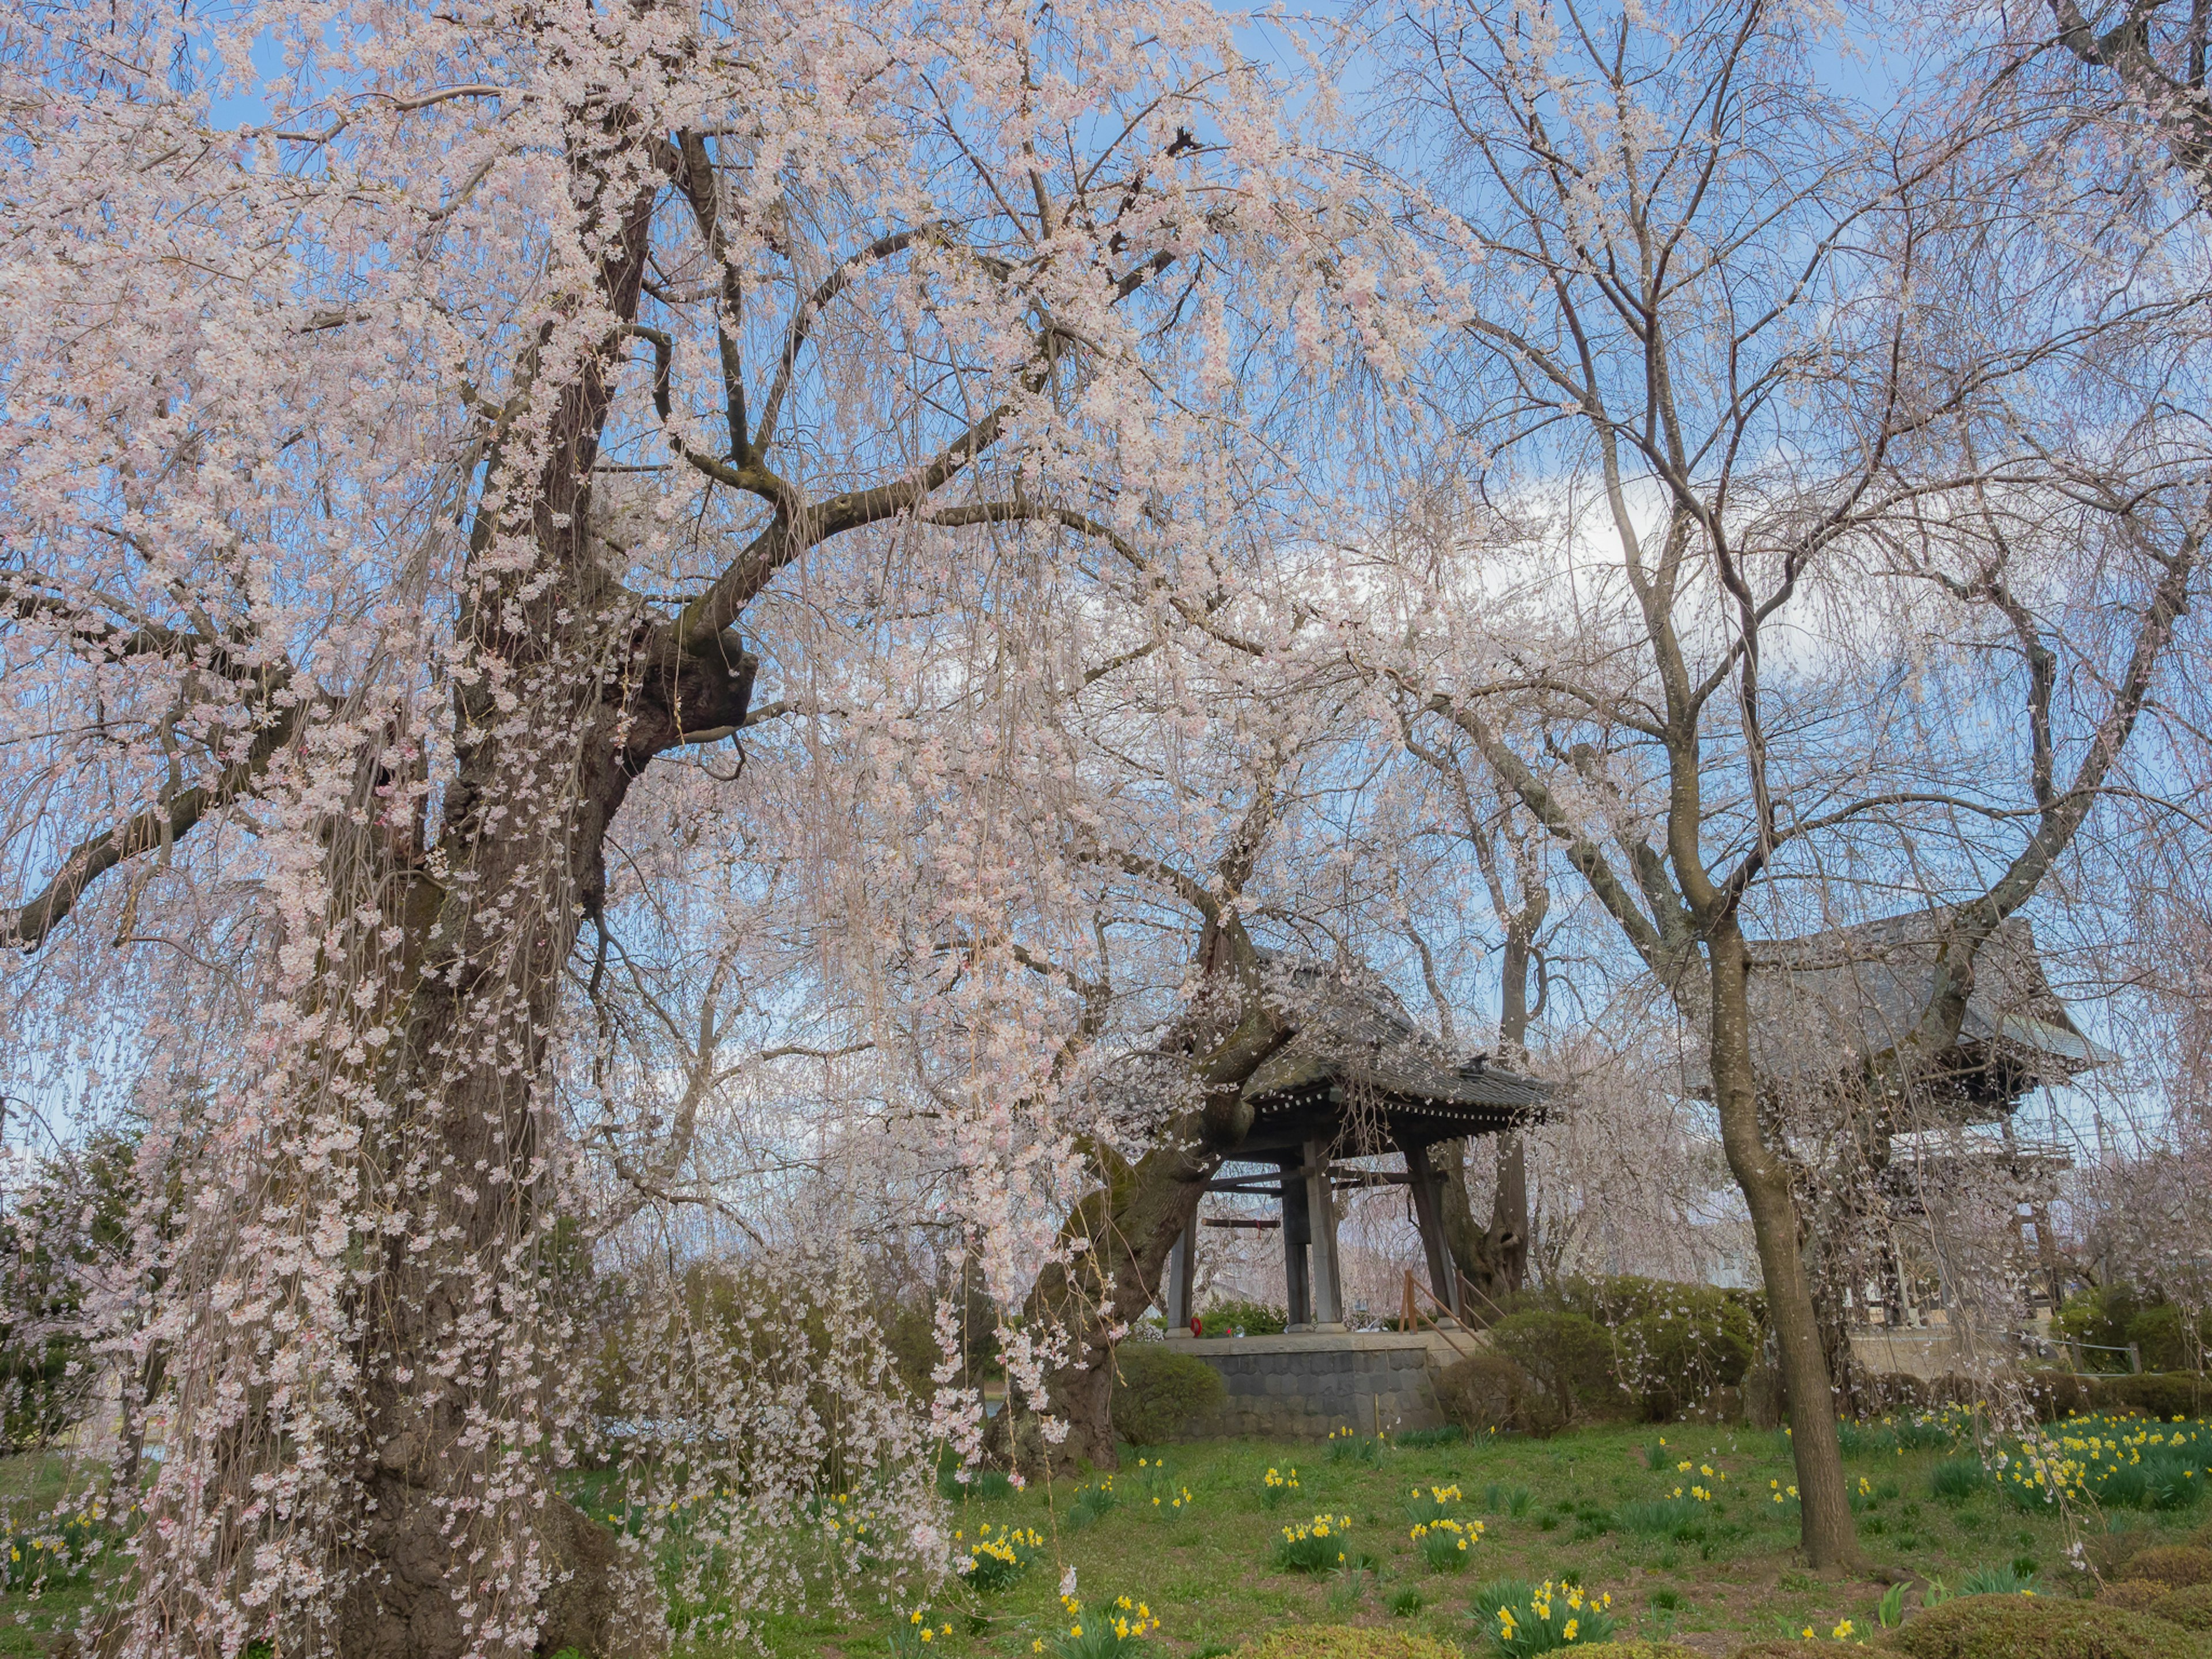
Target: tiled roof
{"x":1354,"y":1032}
{"x":1823,"y":1003}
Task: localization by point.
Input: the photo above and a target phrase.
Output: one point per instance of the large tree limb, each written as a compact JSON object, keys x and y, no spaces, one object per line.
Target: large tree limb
{"x":2181,"y":111}
{"x":27,"y":926}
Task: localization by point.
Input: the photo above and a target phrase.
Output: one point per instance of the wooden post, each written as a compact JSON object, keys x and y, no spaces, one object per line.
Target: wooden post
{"x":1428,"y":1215}
{"x":1298,"y":1233}
{"x":1408,"y":1315}
{"x":1321,"y":1215}
{"x":1181,"y":1276}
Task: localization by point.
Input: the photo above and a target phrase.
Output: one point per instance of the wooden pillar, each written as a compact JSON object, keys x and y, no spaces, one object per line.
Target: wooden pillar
{"x":1428,"y":1216}
{"x":2046,"y":1254}
{"x":1298,"y":1233}
{"x":1328,"y":1283}
{"x":1181,"y":1277}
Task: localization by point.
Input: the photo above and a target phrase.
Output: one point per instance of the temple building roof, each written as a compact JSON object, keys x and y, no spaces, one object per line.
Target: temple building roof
{"x":1823,"y":1003}
{"x":1358,"y":1048}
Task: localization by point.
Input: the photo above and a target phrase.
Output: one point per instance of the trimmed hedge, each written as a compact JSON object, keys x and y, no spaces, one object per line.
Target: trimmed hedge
{"x":1345,"y":1642}
{"x":1253,"y":1318}
{"x":2154,"y":1393}
{"x":2177,"y":1567}
{"x":2015,"y":1626}
{"x":2189,"y":1609}
{"x":2135,"y":1594}
{"x":1157,"y":1393}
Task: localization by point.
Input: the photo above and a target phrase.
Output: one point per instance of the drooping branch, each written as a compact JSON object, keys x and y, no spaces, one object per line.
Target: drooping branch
{"x":2181,"y":111}
{"x":1975,"y":921}
{"x":164,"y":824}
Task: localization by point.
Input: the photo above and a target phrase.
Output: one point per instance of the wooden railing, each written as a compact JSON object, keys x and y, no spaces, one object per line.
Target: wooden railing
{"x":1412,"y":1316}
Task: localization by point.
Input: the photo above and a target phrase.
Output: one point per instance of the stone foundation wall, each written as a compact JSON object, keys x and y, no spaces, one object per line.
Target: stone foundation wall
{"x":1301,"y":1387}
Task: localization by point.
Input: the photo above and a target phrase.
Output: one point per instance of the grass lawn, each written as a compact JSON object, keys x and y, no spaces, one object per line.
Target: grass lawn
{"x":1723,"y":1573}
{"x":1598,"y":1506}
{"x":36,"y":1484}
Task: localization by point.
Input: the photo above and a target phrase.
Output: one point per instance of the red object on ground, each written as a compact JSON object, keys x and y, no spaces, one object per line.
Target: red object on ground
{"x":1197,"y":1326}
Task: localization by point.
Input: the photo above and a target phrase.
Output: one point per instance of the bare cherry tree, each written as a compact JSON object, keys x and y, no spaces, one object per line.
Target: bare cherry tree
{"x":1745,"y":347}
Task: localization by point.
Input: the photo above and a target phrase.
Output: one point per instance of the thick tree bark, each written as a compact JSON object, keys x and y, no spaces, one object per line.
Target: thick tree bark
{"x":528,"y":818}
{"x":1495,"y":1257}
{"x":1123,"y":1230}
{"x":1763,"y":1174}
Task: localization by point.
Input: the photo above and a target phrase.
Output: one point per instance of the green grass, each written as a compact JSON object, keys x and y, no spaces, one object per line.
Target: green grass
{"x":1211,"y":1574}
{"x":1586,"y":1506}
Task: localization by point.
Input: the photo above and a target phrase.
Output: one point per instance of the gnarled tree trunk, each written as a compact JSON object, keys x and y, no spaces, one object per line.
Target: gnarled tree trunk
{"x":1123,"y":1230}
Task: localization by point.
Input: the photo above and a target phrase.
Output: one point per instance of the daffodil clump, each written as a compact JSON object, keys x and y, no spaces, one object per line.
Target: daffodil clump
{"x":1843,"y":1631}
{"x":1432,"y":1504}
{"x":1318,"y":1546}
{"x":997,"y":1556}
{"x":56,"y":1552}
{"x":1162,"y":1493}
{"x":1445,"y":1543}
{"x":1100,"y":1633}
{"x":1349,"y":1446}
{"x":2117,"y":1462}
{"x":845,"y":1527}
{"x":1521,"y":1619}
{"x":915,"y":1634}
{"x":1705,"y":1487}
{"x":1091,"y":1502}
{"x":1277,"y":1485}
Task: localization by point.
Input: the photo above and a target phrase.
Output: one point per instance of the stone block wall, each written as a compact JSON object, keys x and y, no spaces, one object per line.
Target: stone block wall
{"x":1303,"y":1386}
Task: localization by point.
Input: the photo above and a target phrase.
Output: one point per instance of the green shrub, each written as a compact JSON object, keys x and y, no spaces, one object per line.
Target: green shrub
{"x":2167,"y":1339}
{"x":2189,"y":1609}
{"x":2046,"y":1627}
{"x":2135,"y":1594}
{"x":2177,"y":1567}
{"x":1158,"y":1395}
{"x":2154,"y":1393}
{"x":1569,"y":1359}
{"x":1344,"y":1642}
{"x":1487,"y":1392}
{"x":1675,"y":1356}
{"x":1253,"y":1318}
{"x":2054,"y":1395}
{"x":2099,"y":1317}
